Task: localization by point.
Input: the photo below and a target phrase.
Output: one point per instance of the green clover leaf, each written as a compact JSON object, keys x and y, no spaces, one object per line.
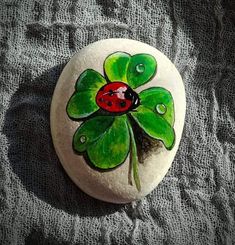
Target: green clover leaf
{"x":155,"y":126}
{"x":108,"y":137}
{"x":116,"y":65}
{"x":134,"y":70}
{"x":106,"y":140}
{"x":82,"y":103}
{"x":112,"y":148}
{"x":141,"y":69}
{"x":160,"y":101}
{"x":88,"y":132}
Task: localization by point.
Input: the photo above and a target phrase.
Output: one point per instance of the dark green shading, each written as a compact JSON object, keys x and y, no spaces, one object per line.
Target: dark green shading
{"x":82,"y":103}
{"x":141,"y":69}
{"x":155,"y":126}
{"x":91,"y":130}
{"x":112,"y":147}
{"x":152,"y":97}
{"x":145,"y":144}
{"x":115,"y":66}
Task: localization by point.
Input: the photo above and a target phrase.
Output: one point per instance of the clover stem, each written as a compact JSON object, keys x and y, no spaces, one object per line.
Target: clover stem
{"x":134,"y":158}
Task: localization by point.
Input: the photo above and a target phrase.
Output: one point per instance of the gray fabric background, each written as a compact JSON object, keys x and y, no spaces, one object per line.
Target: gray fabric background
{"x":195,"y":203}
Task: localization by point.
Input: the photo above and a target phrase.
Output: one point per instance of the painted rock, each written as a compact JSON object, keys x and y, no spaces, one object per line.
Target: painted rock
{"x":117,"y":116}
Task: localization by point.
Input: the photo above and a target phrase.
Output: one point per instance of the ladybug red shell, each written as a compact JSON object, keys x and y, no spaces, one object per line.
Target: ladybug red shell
{"x":117,"y":97}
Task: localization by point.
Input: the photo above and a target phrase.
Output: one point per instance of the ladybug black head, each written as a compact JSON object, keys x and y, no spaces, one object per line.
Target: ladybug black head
{"x":133,"y":96}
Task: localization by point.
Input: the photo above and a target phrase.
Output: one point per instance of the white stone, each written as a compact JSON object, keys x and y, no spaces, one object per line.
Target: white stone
{"x":112,"y":186}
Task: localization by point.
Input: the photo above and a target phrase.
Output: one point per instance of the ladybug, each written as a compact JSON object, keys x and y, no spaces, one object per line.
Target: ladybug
{"x":117,"y":97}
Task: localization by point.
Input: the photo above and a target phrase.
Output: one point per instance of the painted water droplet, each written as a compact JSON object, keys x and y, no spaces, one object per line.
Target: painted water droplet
{"x":83,"y":139}
{"x":140,"y":68}
{"x":161,"y":109}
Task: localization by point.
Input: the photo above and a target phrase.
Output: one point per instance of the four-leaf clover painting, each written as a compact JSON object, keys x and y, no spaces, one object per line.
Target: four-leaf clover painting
{"x":108,"y":106}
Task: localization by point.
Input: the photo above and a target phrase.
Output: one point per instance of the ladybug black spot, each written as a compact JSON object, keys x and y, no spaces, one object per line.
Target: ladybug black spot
{"x":111,"y":93}
{"x":109,"y":103}
{"x":122,"y":104}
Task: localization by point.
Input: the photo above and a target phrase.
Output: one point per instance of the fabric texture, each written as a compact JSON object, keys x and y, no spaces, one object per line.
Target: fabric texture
{"x":195,"y":203}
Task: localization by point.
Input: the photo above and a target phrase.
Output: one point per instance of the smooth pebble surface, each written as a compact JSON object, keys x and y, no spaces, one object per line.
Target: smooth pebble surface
{"x":112,"y":186}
